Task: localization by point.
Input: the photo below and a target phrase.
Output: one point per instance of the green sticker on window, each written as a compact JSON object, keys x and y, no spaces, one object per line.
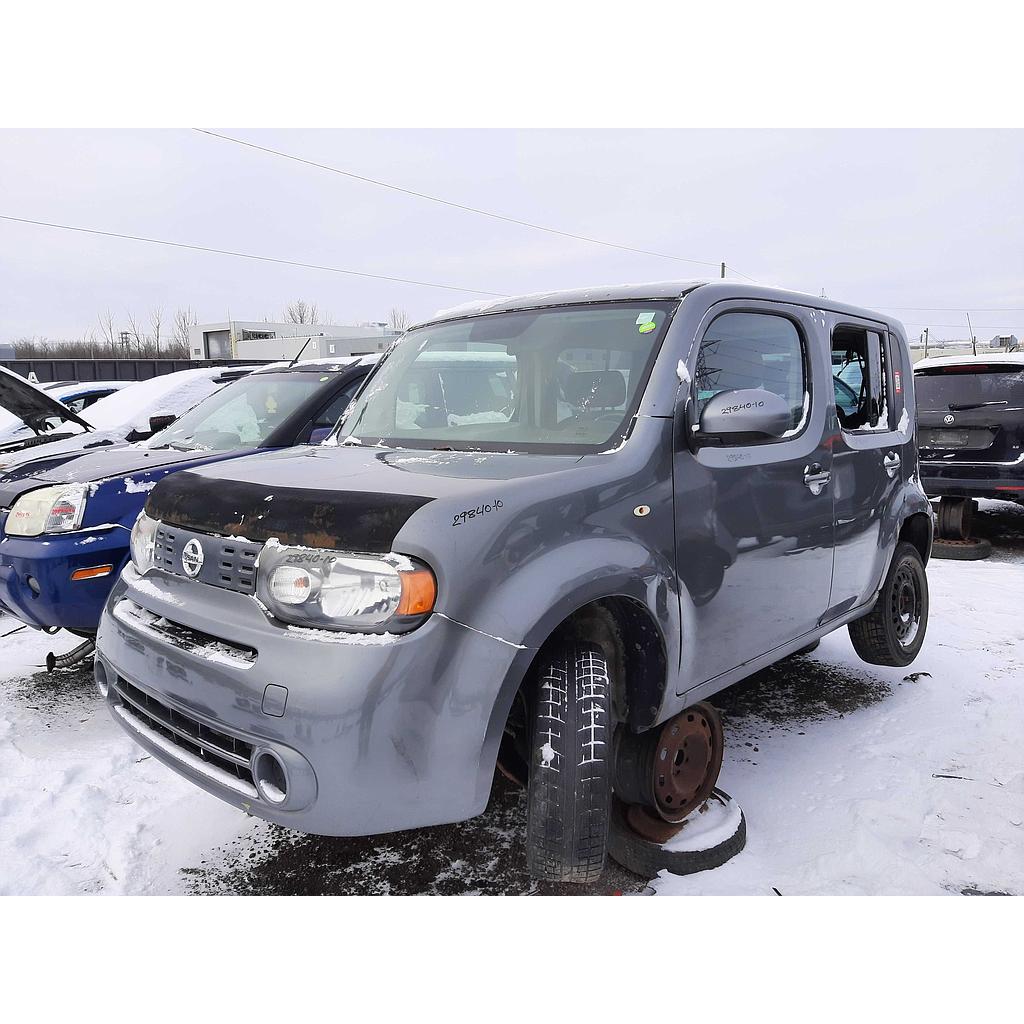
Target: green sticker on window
{"x":647,"y":327}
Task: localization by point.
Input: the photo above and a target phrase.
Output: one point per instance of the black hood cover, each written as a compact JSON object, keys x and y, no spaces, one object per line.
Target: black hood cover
{"x":31,"y":404}
{"x":346,"y":520}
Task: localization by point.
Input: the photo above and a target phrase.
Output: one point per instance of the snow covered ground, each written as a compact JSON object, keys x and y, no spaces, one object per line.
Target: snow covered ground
{"x":853,"y":779}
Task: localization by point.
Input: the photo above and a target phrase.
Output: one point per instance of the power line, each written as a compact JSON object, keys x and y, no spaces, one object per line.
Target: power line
{"x":249,"y":256}
{"x":454,"y":205}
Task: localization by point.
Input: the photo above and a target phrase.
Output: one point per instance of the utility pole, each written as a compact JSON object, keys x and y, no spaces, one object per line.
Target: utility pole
{"x":723,"y":270}
{"x":974,"y":341}
{"x":926,"y":343}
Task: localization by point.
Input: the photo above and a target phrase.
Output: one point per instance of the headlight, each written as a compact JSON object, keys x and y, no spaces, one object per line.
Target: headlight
{"x":342,"y":590}
{"x":47,"y":510}
{"x":143,"y":543}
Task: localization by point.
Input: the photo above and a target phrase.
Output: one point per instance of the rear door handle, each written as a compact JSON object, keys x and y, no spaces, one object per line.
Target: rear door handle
{"x":891,"y":463}
{"x":816,"y":478}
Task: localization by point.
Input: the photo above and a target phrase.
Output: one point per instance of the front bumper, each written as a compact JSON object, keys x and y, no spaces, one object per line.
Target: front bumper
{"x":56,"y":600}
{"x":370,"y":734}
{"x":972,"y":480}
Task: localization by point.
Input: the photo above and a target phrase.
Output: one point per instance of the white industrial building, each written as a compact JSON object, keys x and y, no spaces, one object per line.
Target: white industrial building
{"x":259,"y":339}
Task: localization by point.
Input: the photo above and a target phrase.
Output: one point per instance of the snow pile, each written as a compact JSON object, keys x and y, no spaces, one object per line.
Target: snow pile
{"x":168,"y":395}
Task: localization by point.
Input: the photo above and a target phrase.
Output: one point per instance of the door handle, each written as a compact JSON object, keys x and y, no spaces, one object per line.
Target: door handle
{"x":816,"y":478}
{"x":891,"y":463}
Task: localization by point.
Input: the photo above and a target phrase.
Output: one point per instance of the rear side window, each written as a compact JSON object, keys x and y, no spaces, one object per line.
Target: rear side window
{"x":860,"y":379}
{"x":753,"y":350}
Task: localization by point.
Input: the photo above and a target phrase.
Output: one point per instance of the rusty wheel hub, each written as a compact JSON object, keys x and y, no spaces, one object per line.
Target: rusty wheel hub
{"x":666,"y":774}
{"x":687,"y":760}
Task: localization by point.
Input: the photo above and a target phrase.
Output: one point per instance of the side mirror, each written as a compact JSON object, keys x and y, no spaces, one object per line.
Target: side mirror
{"x":753,"y":412}
{"x":159,"y":422}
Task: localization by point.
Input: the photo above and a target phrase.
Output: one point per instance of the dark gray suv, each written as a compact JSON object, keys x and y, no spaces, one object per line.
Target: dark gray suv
{"x":545,"y":529}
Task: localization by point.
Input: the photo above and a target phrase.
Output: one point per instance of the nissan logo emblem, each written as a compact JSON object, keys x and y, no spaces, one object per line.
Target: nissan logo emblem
{"x":192,"y":558}
{"x":948,"y":418}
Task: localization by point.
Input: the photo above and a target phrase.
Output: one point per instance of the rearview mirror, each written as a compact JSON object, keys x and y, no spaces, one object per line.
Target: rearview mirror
{"x":751,"y":411}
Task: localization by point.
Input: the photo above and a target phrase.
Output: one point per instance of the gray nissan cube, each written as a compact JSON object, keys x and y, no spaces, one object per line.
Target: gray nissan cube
{"x":546,"y":530}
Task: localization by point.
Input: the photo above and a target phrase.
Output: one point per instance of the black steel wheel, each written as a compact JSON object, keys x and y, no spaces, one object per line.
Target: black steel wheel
{"x":893,"y":631}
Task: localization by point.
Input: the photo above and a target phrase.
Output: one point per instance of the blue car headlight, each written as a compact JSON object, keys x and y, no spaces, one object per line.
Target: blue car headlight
{"x":56,"y":509}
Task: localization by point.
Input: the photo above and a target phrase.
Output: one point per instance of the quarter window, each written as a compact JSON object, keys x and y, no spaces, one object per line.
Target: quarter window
{"x":859,"y":378}
{"x":753,"y":350}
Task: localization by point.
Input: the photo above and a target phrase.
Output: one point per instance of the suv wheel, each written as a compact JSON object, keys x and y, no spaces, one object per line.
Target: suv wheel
{"x":893,"y":631}
{"x":570,"y":787}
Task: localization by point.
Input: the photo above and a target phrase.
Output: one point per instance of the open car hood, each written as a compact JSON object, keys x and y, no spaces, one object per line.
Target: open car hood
{"x":32,"y":404}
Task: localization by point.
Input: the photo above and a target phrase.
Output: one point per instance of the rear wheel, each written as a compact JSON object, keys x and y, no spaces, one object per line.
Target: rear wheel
{"x":570,"y":784}
{"x":893,"y":631}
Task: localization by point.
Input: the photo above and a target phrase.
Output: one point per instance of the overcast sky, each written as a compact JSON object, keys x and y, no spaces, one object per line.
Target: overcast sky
{"x":884,"y":219}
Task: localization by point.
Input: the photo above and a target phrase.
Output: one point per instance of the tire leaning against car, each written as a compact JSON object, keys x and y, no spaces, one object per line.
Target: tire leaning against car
{"x":570,"y":785}
{"x":893,"y":631}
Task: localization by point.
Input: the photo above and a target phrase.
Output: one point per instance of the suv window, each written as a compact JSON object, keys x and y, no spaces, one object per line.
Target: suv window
{"x":753,"y":350}
{"x":860,"y":379}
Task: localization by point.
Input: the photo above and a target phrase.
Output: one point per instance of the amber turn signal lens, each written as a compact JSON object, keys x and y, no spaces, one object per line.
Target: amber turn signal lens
{"x":93,"y":573}
{"x":419,"y":592}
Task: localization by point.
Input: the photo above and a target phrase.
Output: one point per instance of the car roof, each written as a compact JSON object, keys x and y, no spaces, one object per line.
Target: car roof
{"x":719,"y":290}
{"x":982,"y":359}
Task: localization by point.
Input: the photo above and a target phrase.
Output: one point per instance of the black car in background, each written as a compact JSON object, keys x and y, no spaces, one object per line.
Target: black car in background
{"x":970,"y":433}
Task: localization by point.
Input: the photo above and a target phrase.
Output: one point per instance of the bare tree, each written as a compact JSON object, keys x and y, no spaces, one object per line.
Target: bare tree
{"x":156,"y":318}
{"x":398,"y":319}
{"x":106,"y":322}
{"x":302,"y":312}
{"x":184,"y":319}
{"x":134,"y":332}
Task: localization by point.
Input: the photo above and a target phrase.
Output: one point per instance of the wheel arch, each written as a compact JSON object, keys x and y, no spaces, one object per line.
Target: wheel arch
{"x":916,"y":529}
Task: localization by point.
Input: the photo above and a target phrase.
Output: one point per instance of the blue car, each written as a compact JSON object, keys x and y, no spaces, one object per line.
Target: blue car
{"x":64,"y":529}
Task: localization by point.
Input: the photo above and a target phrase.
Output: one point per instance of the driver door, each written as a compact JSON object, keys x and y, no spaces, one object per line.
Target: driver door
{"x":754,"y":523}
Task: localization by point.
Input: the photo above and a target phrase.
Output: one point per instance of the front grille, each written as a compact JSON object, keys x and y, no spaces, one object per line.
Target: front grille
{"x":227,"y":754}
{"x":227,"y":562}
{"x":185,"y":638}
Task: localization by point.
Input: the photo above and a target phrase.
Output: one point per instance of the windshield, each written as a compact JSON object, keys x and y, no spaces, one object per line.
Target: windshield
{"x":242,"y":415}
{"x":559,"y":380}
{"x":973,"y":386}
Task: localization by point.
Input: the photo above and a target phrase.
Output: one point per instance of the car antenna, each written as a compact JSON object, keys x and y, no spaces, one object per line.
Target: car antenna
{"x":303,"y":349}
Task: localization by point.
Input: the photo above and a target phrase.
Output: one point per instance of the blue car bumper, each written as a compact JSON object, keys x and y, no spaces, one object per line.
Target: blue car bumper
{"x":36,"y":582}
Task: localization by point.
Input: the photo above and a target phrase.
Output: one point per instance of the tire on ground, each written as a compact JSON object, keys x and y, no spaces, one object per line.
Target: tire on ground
{"x":570,"y":785}
{"x":883,"y":636}
{"x":646,"y":858}
{"x":962,"y":550}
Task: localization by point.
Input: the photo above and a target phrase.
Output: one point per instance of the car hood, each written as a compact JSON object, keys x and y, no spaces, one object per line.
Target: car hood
{"x":32,"y":404}
{"x":346,"y":496}
{"x":27,"y":461}
{"x":115,"y":462}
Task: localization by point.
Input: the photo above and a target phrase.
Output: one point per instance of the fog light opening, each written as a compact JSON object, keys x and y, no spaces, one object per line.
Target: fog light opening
{"x":270,"y":777}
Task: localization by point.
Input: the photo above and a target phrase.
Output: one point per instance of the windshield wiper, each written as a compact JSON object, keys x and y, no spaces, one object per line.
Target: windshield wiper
{"x":964,"y":406}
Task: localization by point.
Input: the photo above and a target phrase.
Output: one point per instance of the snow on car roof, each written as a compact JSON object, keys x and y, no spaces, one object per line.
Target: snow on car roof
{"x":168,"y":395}
{"x":982,"y":359}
